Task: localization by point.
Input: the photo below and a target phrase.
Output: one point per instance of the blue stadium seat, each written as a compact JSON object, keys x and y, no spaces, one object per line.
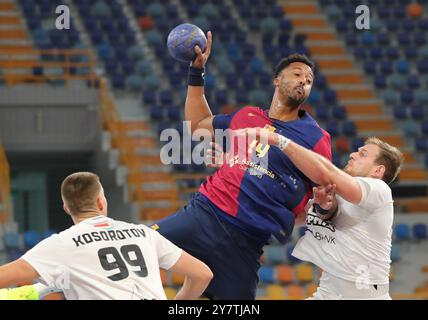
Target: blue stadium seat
{"x":421,"y":144}
{"x":330,"y":96}
{"x":376,"y":53}
{"x":266,"y":274}
{"x":419,"y":39}
{"x":31,"y":238}
{"x":419,"y":231}
{"x":424,"y":127}
{"x":349,"y":128}
{"x":403,"y":39}
{"x":339,"y":112}
{"x":386,"y":67}
{"x":413,"y":81}
{"x":402,"y":231}
{"x":149,"y":97}
{"x":47,"y":233}
{"x":156,"y":113}
{"x":383,"y":39}
{"x":395,"y":253}
{"x":392,"y":53}
{"x":322,"y":112}
{"x":370,"y":67}
{"x":332,"y":128}
{"x":402,"y":66}
{"x":174,"y":113}
{"x":407,"y":97}
{"x":422,"y":66}
{"x":411,"y":52}
{"x":357,"y":143}
{"x":417,"y":112}
{"x":379,"y":81}
{"x":400,"y":112}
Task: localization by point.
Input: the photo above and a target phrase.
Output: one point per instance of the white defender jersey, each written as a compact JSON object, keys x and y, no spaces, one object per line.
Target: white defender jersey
{"x":356,"y":244}
{"x":101,"y":258}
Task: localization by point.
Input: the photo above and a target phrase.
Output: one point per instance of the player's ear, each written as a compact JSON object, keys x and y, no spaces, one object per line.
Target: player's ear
{"x":380,"y":170}
{"x":100,"y":203}
{"x":66,"y":208}
{"x":276,"y":82}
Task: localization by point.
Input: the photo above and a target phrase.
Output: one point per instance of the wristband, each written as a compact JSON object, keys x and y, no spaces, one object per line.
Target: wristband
{"x":321,"y":211}
{"x":282,"y":142}
{"x":196,"y":77}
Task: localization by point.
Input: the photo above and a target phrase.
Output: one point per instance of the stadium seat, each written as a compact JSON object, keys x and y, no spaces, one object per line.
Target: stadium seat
{"x":267,"y":274}
{"x":402,"y":231}
{"x":304,"y":272}
{"x":417,"y":112}
{"x":275,"y":292}
{"x":419,"y":231}
{"x":295,"y":292}
{"x":395,"y":254}
{"x":31,"y":238}
{"x":400,"y":112}
{"x":11,"y":240}
{"x":284,"y":273}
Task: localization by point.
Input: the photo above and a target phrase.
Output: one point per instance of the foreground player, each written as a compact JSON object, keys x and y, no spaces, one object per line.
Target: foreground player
{"x":352,"y":248}
{"x":102,"y":258}
{"x":240,"y":206}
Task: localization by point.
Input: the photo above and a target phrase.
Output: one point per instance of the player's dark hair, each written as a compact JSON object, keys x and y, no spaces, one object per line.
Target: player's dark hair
{"x":295,"y":57}
{"x":79,"y":191}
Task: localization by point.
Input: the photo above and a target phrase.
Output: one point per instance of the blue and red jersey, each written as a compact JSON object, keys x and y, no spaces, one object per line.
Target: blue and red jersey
{"x":260,"y":197}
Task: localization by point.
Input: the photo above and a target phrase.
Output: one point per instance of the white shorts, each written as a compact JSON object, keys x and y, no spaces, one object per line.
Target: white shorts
{"x":333,"y":288}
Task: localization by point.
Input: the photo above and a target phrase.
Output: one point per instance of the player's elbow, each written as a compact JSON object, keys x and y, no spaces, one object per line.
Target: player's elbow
{"x":205,"y":274}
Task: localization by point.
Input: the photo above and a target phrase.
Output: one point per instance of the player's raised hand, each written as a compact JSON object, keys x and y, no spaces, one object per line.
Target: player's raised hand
{"x":324,"y":196}
{"x":202,"y":57}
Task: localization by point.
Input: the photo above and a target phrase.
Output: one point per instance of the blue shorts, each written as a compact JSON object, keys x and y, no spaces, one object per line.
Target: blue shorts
{"x":234,"y":258}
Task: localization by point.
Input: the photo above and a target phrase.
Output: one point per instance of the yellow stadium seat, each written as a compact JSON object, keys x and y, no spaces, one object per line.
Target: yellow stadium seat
{"x":284,"y":273}
{"x":304,"y":272}
{"x":275,"y":292}
{"x":170,"y":293}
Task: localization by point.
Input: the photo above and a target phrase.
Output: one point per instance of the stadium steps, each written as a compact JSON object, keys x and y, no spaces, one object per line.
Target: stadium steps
{"x":414,"y":205}
{"x":338,"y":65}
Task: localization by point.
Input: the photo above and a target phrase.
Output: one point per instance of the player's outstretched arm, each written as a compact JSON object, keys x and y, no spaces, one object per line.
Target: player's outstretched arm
{"x":14,"y":273}
{"x":197,"y":276}
{"x":196,"y":108}
{"x":315,"y":167}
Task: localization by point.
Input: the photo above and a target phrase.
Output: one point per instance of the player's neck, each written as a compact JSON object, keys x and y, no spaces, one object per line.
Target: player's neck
{"x":281,"y":111}
{"x":85,"y":215}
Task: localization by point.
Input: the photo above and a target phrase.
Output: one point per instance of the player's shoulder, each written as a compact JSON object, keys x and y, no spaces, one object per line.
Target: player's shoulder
{"x":251,"y":110}
{"x":376,"y":185}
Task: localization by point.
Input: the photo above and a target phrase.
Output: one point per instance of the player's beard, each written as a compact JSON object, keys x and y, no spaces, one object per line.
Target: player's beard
{"x":295,"y":99}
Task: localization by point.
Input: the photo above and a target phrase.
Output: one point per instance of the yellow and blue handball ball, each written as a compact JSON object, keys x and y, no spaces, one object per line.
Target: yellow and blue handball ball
{"x":182,"y":41}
